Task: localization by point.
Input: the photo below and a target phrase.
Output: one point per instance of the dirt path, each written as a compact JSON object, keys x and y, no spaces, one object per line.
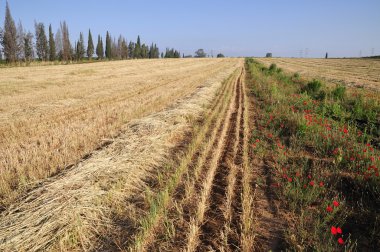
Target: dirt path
{"x":220,"y":230}
{"x":206,"y":207}
{"x":269,"y":218}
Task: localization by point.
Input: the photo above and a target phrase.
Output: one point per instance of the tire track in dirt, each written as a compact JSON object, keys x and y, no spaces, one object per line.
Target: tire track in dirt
{"x":185,"y":198}
{"x":220,"y":230}
{"x":158,"y":236}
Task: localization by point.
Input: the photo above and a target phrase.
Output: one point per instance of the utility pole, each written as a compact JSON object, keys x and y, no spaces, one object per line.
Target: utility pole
{"x":301,"y":53}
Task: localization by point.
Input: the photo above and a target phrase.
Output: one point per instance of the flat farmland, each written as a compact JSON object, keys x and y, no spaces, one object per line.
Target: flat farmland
{"x":186,"y":155}
{"x":52,"y":116}
{"x":106,"y":163}
{"x":351,"y":72}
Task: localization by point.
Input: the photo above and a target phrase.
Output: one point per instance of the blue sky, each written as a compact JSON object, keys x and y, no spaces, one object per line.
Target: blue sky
{"x":236,"y":28}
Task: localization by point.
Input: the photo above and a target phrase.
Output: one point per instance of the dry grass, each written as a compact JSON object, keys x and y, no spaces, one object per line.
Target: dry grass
{"x":248,"y":194}
{"x":194,"y":229}
{"x":201,"y":143}
{"x":352,"y":72}
{"x":52,"y":116}
{"x":69,"y":211}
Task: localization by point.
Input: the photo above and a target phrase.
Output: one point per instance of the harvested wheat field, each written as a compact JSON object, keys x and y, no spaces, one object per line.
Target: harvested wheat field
{"x":95,"y":156}
{"x":352,"y":72}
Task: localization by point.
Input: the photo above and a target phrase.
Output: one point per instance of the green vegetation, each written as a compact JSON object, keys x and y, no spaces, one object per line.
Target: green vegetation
{"x":322,"y":143}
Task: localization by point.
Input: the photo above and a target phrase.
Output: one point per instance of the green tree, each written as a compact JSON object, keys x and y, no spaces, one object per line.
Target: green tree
{"x":20,"y":42}
{"x":66,"y":45}
{"x":131,"y":50}
{"x":200,"y":53}
{"x":156,"y":52}
{"x":9,"y":36}
{"x":124,"y":49}
{"x":90,"y":46}
{"x":220,"y":55}
{"x":52,"y":52}
{"x":137,"y":50}
{"x":100,"y":48}
{"x":42,"y":47}
{"x":80,"y":49}
{"x":144,"y":51}
{"x":28,"y":47}
{"x":108,"y":46}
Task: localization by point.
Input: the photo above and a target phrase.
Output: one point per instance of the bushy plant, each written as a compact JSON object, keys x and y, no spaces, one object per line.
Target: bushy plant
{"x":339,"y":93}
{"x":272,"y":67}
{"x":313,"y":87}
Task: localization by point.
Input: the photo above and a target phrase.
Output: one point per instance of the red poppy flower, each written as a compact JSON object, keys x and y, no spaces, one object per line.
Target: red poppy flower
{"x":321,"y":184}
{"x":339,"y":230}
{"x":333,"y":230}
{"x":340,"y":241}
{"x":311,"y":183}
{"x":345,"y":131}
{"x":329,"y":209}
{"x":336,"y":203}
{"x":257,"y":140}
{"x":290,"y":179}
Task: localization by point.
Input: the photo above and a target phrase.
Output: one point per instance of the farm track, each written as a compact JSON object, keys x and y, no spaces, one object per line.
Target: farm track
{"x":221,"y":227}
{"x":206,"y":210}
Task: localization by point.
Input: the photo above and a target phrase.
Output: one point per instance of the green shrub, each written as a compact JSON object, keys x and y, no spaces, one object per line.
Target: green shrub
{"x":272,"y":67}
{"x":313,"y":87}
{"x":321,"y":96}
{"x":339,"y":93}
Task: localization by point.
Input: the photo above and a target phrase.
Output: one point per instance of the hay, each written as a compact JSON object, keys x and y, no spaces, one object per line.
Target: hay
{"x":69,"y":204}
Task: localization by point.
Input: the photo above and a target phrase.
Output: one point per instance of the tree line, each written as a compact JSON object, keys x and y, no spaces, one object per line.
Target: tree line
{"x":20,"y":45}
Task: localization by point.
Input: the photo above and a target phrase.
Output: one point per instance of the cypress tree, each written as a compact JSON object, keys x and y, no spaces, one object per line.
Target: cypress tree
{"x":66,"y":50}
{"x":42,"y":48}
{"x":90,"y":46}
{"x":151,"y":51}
{"x":98,"y":52}
{"x":124,"y":49}
{"x":28,"y":46}
{"x":79,"y":48}
{"x":52,"y":52}
{"x":131,"y":50}
{"x":101,"y":48}
{"x":20,"y":42}
{"x":156,"y":52}
{"x":9,"y":38}
{"x":108,"y":46}
{"x":137,"y":50}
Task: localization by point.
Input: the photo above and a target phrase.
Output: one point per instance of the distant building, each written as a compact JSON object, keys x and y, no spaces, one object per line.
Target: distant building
{"x":268,"y":55}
